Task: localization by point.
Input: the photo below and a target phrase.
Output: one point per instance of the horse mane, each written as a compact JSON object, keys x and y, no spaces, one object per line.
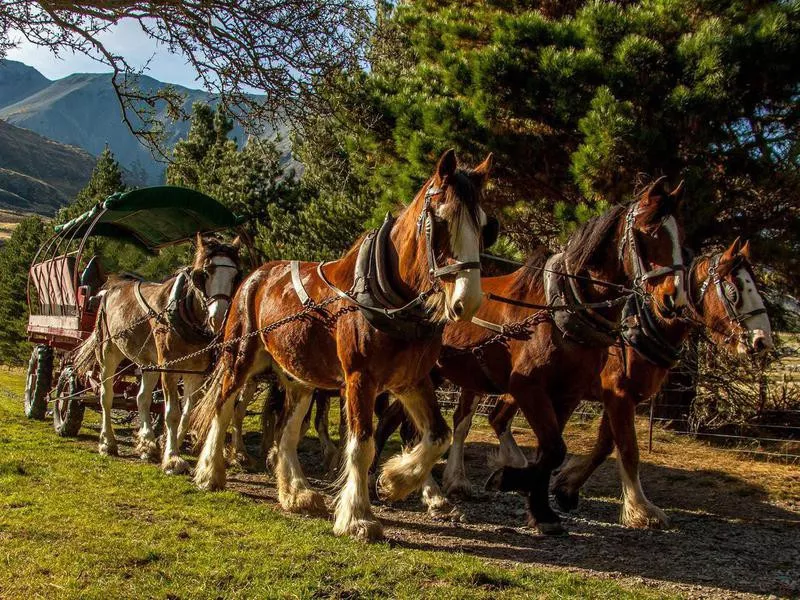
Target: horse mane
{"x":590,"y":237}
{"x":530,"y":272}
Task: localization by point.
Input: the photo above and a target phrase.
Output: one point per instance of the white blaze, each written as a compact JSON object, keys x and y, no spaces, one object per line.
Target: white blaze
{"x":465,"y":246}
{"x":671,"y":226}
{"x":758,"y":326}
{"x":222,"y":272}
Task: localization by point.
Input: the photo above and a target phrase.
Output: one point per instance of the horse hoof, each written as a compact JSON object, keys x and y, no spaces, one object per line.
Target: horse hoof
{"x":330,"y":464}
{"x":108,"y":449}
{"x":307,"y":502}
{"x":446,"y":512}
{"x":551,"y":528}
{"x":566,"y":501}
{"x":175,"y":465}
{"x":495,"y":481}
{"x":393,"y":488}
{"x":644,"y":517}
{"x":460,"y":488}
{"x":365,"y":530}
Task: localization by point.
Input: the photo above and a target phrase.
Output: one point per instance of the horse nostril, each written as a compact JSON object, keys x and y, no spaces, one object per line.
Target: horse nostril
{"x":458,"y":308}
{"x":759,"y":345}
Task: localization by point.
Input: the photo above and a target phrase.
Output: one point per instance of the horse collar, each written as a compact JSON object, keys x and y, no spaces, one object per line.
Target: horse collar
{"x":576,"y":323}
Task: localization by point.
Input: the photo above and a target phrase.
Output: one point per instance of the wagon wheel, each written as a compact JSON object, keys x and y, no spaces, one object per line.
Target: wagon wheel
{"x":38,"y":382}
{"x":68,"y":409}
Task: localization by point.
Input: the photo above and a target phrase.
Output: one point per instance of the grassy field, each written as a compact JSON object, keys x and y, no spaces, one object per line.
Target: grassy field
{"x":77,"y":524}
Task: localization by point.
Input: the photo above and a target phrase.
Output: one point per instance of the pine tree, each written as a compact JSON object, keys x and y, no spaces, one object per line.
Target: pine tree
{"x":15,"y":260}
{"x":251,"y":181}
{"x":577,"y":100}
{"x":106,"y":179}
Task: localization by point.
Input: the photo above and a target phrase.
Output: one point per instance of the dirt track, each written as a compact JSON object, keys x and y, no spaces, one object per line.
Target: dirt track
{"x":735,"y":523}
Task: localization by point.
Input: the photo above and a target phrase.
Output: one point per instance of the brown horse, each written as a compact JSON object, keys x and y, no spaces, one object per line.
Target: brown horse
{"x":548,"y":365}
{"x":150,"y":323}
{"x":724,"y":301}
{"x":321,"y":341}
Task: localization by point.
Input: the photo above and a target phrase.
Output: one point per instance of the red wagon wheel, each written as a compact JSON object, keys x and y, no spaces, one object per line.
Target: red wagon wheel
{"x":38,"y":382}
{"x":68,"y":408}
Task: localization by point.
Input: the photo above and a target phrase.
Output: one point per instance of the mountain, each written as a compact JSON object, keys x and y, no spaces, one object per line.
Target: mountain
{"x":83,"y":110}
{"x":18,"y":81}
{"x":37,"y":174}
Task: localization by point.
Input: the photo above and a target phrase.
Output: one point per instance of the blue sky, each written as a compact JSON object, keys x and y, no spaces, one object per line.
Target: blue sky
{"x":126,"y":39}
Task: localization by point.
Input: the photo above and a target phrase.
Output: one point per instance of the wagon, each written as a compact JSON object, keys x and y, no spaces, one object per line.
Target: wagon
{"x":64,"y":287}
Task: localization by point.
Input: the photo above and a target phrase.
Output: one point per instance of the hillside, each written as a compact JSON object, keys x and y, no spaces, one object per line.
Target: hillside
{"x":37,"y":174}
{"x":83,"y":110}
{"x":18,"y":81}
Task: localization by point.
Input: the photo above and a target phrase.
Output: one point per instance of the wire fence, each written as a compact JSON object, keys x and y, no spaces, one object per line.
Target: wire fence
{"x":751,"y":409}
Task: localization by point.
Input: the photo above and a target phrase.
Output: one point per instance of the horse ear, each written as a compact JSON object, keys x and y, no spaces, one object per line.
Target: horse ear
{"x":446,"y":166}
{"x":677,"y":193}
{"x":746,"y":252}
{"x":732,"y":251}
{"x":484,"y":170}
{"x":237,"y":242}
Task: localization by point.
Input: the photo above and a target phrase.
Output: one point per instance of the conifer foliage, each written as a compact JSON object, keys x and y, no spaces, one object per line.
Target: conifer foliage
{"x":581,"y":102}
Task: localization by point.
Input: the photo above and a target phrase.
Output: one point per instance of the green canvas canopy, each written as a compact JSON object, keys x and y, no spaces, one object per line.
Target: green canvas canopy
{"x":152,"y":217}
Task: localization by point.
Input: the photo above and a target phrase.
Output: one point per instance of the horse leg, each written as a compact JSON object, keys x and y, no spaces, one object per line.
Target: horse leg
{"x":406,"y":472}
{"x":191,"y":385}
{"x":294,"y":493}
{"x":534,"y":479}
{"x":568,"y":482}
{"x":637,"y":510}
{"x":225,"y":385}
{"x":111,"y":359}
{"x":237,"y":452}
{"x":509,"y":452}
{"x":147,"y":446}
{"x":389,"y":419}
{"x":330,"y":451}
{"x":353,"y":514}
{"x":455,"y":478}
{"x":270,"y":414}
{"x":172,"y":463}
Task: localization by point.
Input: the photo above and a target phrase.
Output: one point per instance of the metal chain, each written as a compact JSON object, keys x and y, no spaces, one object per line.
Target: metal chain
{"x":516,"y":330}
{"x":214,"y":345}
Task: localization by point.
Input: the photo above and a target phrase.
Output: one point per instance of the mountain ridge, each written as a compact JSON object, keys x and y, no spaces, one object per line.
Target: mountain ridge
{"x":82,"y":109}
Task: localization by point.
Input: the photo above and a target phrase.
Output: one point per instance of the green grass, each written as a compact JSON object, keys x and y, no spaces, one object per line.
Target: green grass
{"x":77,"y":524}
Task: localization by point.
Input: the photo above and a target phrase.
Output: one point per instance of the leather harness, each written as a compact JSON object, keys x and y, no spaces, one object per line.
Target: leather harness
{"x":372,"y":290}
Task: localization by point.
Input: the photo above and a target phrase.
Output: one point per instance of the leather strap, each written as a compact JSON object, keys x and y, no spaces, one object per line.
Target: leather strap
{"x":297,"y":283}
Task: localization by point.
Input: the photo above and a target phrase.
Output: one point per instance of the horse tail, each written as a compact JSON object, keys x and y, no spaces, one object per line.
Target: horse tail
{"x":205,"y":410}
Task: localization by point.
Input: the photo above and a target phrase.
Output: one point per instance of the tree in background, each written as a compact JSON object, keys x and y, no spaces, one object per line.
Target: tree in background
{"x":253,"y":182}
{"x":106,"y":179}
{"x":577,"y":100}
{"x":15,"y":260}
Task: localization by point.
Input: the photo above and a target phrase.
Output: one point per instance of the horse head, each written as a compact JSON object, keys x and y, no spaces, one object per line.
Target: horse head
{"x":729,"y":303}
{"x":216,"y":271}
{"x":455,"y":228}
{"x":651,"y":246}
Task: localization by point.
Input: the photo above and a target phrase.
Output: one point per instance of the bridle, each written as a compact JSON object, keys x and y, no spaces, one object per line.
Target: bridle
{"x":205,"y":274}
{"x":641,"y":273}
{"x":425,"y":221}
{"x":736,"y":318}
{"x":435,"y":272}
